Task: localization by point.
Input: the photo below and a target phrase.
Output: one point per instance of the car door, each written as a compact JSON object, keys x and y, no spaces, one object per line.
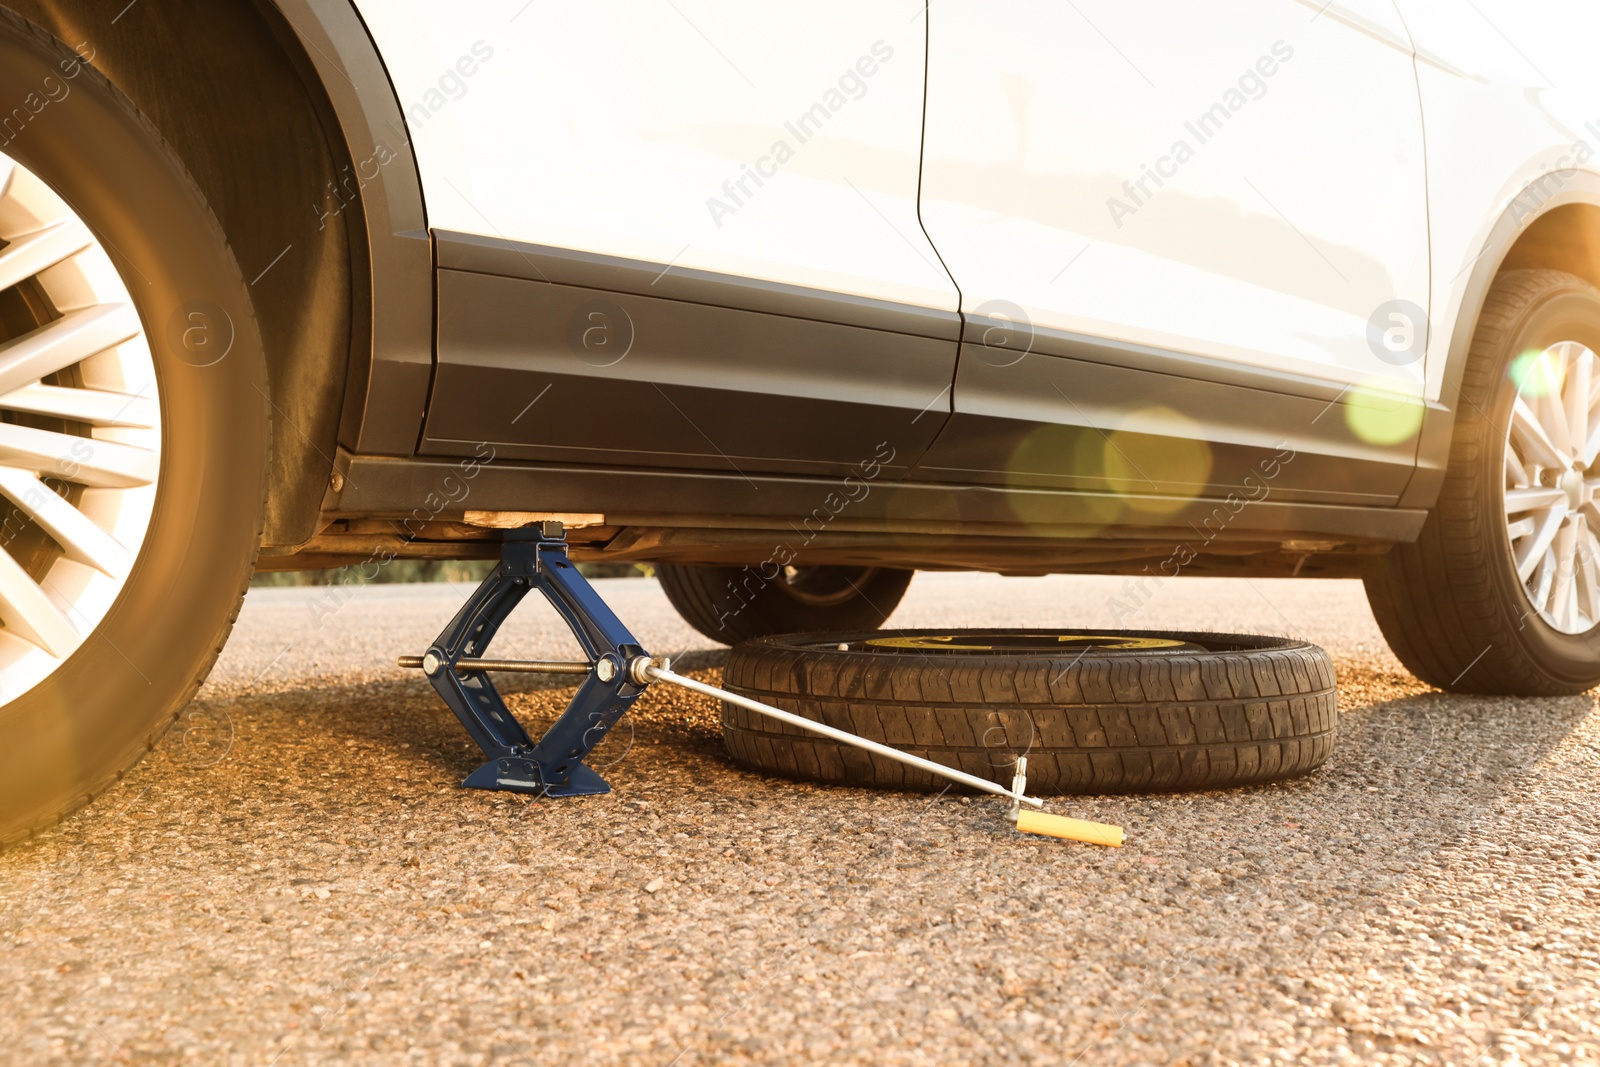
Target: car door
{"x":679,"y":234}
{"x":1187,"y":238}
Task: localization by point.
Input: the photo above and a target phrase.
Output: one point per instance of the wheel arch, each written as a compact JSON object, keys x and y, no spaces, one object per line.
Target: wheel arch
{"x":293,"y":133}
{"x":1553,"y":228}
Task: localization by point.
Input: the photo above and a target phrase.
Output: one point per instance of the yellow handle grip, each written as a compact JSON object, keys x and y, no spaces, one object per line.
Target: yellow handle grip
{"x":1095,"y":833}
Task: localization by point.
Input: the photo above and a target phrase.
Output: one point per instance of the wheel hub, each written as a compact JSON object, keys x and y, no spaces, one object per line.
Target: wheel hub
{"x":1571,"y":483}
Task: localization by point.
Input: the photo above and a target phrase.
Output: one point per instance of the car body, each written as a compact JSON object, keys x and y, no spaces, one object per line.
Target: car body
{"x":988,"y":297}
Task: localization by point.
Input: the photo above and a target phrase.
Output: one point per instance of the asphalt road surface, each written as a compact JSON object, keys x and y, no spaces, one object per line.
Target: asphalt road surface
{"x":294,"y":878}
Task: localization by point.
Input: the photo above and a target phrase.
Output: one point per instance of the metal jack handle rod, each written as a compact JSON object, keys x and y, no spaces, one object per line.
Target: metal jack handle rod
{"x":510,"y":666}
{"x":653,"y":671}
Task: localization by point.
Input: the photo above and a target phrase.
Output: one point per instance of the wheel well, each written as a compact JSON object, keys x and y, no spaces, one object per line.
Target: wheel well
{"x":1565,"y":238}
{"x":229,"y":88}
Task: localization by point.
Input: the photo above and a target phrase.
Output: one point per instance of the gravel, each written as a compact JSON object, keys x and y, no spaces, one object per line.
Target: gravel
{"x":293,"y":877}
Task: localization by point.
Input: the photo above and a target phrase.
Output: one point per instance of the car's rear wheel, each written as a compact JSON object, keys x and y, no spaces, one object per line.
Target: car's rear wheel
{"x":733,"y":604}
{"x":133,"y":434}
{"x":1501,"y":593}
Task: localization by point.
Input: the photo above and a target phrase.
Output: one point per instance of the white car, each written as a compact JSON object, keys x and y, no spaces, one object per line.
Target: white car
{"x":791,"y":300}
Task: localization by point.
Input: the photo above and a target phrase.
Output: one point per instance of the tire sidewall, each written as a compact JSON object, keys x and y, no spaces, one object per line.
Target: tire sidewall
{"x":77,"y":730}
{"x":867,"y":644}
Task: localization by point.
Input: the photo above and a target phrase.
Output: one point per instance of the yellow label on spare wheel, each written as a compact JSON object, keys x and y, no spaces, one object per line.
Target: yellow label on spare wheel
{"x":981,"y":642}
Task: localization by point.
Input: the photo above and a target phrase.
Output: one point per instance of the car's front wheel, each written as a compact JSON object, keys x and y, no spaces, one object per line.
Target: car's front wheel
{"x":1501,"y":593}
{"x":133,"y":434}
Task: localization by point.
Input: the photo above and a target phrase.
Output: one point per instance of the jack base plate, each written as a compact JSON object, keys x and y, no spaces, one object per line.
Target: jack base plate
{"x":511,"y":774}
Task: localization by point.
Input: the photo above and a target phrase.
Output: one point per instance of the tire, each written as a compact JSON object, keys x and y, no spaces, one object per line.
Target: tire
{"x":1175,"y":711}
{"x":733,"y":604}
{"x":73,"y":732}
{"x":1452,"y":605}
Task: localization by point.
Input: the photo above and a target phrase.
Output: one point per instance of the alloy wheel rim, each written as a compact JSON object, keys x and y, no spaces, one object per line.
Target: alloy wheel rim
{"x":80,"y":431}
{"x":1552,"y":518}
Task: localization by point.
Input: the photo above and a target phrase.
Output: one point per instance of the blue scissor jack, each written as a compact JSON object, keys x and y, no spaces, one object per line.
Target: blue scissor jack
{"x":535,"y":558}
